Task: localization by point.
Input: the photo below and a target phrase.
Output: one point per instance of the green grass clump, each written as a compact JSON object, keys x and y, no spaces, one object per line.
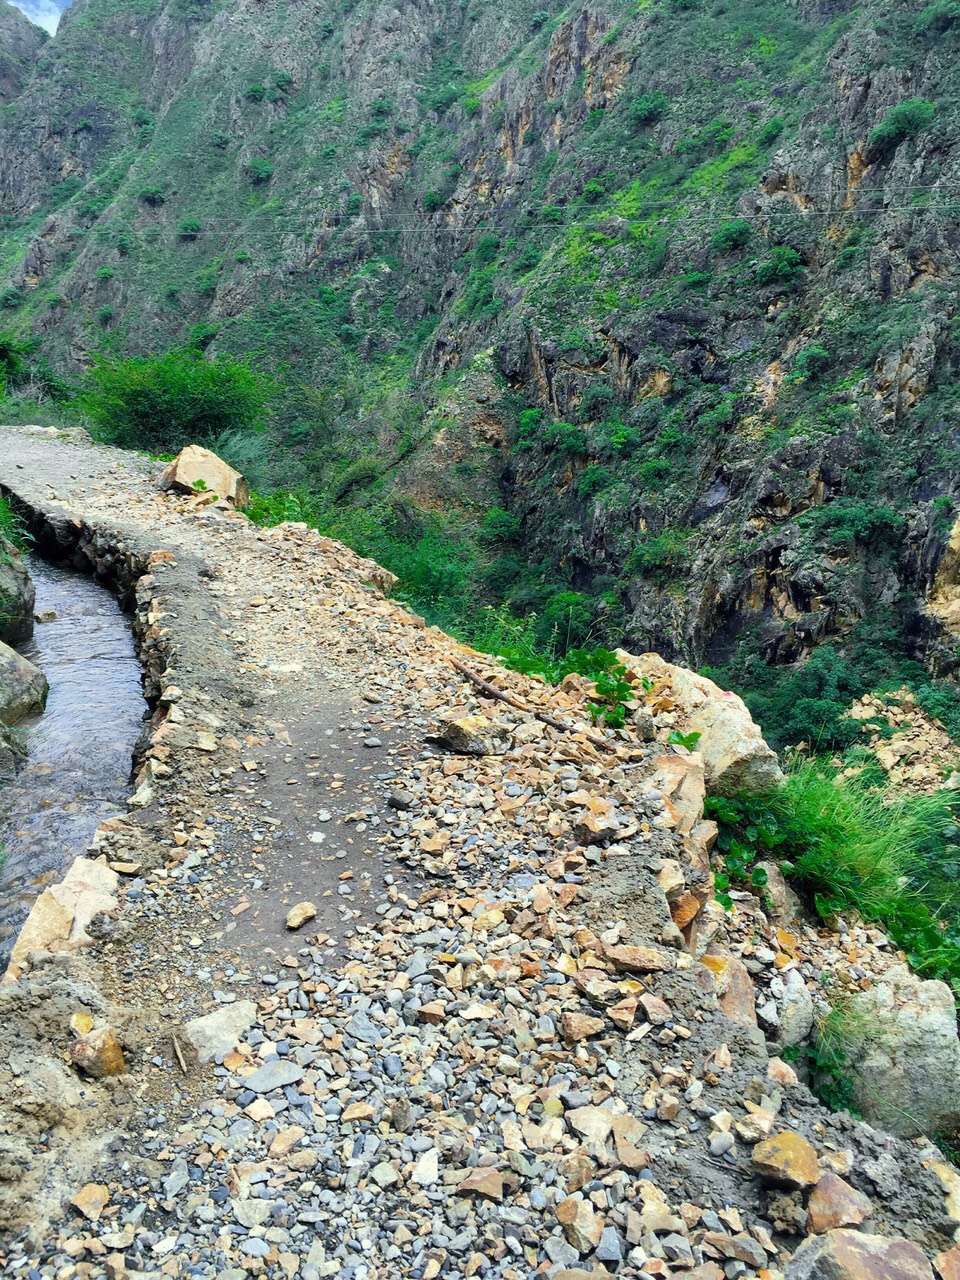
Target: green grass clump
{"x":851,"y":847}
{"x":12,"y":528}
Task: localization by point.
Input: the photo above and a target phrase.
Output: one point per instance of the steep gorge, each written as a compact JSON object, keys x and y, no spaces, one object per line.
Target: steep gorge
{"x":674,"y":283}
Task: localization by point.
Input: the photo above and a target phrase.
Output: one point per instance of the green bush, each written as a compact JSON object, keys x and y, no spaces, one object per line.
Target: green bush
{"x":593,"y":480}
{"x":939,"y":17}
{"x":259,"y":171}
{"x":189,"y":228}
{"x":12,"y":528}
{"x":731,"y":235}
{"x":646,"y":108}
{"x":152,"y":196}
{"x":500,"y":526}
{"x":810,"y":362}
{"x":903,"y":121}
{"x":161,"y":403}
{"x":845,"y":521}
{"x":782,"y":266}
{"x":661,"y":556}
{"x":770,"y":131}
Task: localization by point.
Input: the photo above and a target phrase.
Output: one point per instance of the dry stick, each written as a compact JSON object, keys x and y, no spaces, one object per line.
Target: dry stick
{"x":176,"y":1050}
{"x":492,"y":691}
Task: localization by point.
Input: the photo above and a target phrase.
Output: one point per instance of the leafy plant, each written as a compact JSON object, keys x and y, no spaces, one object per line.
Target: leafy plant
{"x":731,"y":235}
{"x":903,"y":121}
{"x":686,"y":740}
{"x":783,"y":265}
{"x":161,"y":403}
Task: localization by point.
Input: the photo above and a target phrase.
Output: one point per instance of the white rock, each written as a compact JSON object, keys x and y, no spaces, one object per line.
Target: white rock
{"x":218,"y":1032}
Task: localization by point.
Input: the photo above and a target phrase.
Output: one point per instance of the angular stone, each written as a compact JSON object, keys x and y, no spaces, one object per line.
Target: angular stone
{"x":98,"y":1054}
{"x":581,"y":1225}
{"x":787,"y":1159}
{"x":91,"y":1200}
{"x":216,"y":1033}
{"x":834,"y":1203}
{"x":579,"y":1026}
{"x":275,"y":1074}
{"x":473,"y":736}
{"x":904,"y":1054}
{"x":196,"y":469}
{"x":427,"y":1169}
{"x":300,"y":914}
{"x":593,"y":1123}
{"x":639,"y":959}
{"x":947,"y":1264}
{"x":852,"y":1255}
{"x":482,"y":1181}
{"x":735,"y":756}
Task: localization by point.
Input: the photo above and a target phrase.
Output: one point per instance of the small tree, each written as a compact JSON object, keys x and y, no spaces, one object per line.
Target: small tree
{"x":161,"y":403}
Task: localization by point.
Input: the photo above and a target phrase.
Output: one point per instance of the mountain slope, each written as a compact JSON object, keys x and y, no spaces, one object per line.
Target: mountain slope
{"x":20,"y":43}
{"x":674,"y":283}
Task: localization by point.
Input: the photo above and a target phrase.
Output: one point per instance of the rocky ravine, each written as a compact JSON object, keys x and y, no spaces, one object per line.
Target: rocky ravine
{"x":514,"y":1039}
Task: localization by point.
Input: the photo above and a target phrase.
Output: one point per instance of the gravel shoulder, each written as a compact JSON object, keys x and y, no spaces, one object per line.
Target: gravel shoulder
{"x":457,"y":1066}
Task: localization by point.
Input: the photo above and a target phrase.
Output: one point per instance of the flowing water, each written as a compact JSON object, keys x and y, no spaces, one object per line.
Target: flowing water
{"x":80,"y":750}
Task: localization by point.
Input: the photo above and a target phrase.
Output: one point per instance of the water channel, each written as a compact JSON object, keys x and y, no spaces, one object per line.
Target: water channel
{"x":77,"y":769}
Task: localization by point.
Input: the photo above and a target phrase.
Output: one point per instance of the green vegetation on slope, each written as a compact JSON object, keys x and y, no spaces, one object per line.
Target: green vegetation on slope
{"x":850,"y":847}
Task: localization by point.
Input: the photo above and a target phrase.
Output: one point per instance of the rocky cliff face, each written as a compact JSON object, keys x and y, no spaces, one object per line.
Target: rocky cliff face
{"x":672,"y":282}
{"x":20,"y":44}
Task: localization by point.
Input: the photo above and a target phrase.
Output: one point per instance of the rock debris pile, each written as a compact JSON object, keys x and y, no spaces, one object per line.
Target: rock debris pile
{"x":500,"y":1028}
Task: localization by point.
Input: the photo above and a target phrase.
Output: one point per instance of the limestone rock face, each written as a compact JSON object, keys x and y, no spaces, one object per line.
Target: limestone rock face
{"x":23,"y":687}
{"x":17,"y":596}
{"x":735,"y":756}
{"x":905,"y":1055}
{"x":852,"y":1255}
{"x":195,"y":467}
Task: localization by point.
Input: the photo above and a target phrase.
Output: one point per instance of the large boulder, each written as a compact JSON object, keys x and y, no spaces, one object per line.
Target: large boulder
{"x":854,"y":1255}
{"x":23,"y":687}
{"x":195,"y":468}
{"x":17,"y":596}
{"x":60,"y":918}
{"x":735,"y":756}
{"x":904,"y":1054}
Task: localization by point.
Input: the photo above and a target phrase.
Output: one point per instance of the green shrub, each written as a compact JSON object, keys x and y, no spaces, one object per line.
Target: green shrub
{"x":105,"y":273}
{"x":731,"y":235}
{"x":903,"y":121}
{"x":770,"y":131}
{"x":845,"y":521}
{"x":161,"y":403}
{"x":593,"y":480}
{"x":500,"y":526}
{"x":255,"y":92}
{"x":189,"y":228}
{"x":939,"y":17}
{"x":646,"y":108}
{"x":12,"y":528}
{"x":809,"y":362}
{"x":152,"y":196}
{"x":104,"y":315}
{"x":661,"y":556}
{"x":259,"y":171}
{"x":782,"y":266}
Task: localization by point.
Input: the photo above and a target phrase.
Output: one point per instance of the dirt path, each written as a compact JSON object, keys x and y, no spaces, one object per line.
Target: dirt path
{"x":449,"y":1071}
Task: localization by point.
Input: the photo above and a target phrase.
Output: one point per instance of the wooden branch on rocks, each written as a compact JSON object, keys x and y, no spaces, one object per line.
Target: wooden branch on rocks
{"x":491,"y":691}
